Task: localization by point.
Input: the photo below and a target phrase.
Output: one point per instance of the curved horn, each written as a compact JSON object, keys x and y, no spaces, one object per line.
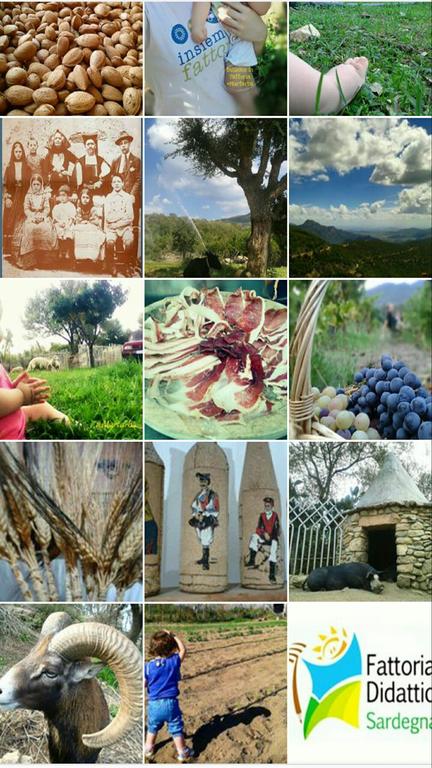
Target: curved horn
{"x":118,"y":653}
{"x":55,"y":622}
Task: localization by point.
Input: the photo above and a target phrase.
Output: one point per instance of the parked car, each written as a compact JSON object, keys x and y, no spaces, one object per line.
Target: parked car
{"x":133,"y":348}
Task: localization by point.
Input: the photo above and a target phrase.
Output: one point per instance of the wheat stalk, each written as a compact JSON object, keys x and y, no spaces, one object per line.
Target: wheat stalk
{"x":85,"y":500}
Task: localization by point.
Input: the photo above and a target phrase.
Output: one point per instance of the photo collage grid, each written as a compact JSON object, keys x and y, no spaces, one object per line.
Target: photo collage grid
{"x":215,"y":382}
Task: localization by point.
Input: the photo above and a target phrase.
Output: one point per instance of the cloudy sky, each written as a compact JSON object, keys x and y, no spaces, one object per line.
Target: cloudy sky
{"x":15,"y":294}
{"x":367,"y":173}
{"x":172,"y":187}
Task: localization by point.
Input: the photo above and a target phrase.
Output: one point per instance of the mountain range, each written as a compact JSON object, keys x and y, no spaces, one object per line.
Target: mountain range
{"x":319,"y":251}
{"x":394,"y":293}
{"x":336,"y":236}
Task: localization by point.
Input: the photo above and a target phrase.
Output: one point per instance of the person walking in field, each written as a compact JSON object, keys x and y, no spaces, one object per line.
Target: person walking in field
{"x":267,"y":533}
{"x":162,"y":676}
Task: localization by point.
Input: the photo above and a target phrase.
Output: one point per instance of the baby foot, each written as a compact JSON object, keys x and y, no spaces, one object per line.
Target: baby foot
{"x":360,"y":64}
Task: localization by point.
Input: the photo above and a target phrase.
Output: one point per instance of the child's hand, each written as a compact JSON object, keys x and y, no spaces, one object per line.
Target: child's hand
{"x":36,"y":392}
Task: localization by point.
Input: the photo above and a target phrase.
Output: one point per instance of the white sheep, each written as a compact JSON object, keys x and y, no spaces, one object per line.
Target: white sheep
{"x":42,"y":363}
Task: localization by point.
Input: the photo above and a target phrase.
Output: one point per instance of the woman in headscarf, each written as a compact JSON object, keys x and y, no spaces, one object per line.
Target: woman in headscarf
{"x":59,"y":163}
{"x":88,"y":233}
{"x":15,"y":185}
{"x":38,"y":234}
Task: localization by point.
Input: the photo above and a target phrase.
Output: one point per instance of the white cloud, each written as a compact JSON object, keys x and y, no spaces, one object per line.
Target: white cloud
{"x":321,"y":177}
{"x":221,"y":193}
{"x":416,"y":200}
{"x":399,"y":152}
{"x":411,"y":210}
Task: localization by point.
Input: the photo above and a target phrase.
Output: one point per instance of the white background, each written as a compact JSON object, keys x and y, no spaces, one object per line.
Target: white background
{"x":391,"y":629}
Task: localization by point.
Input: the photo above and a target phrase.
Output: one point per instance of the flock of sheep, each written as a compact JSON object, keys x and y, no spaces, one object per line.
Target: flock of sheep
{"x":39,"y":364}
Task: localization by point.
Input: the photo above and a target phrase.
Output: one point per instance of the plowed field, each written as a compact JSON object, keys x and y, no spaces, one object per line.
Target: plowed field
{"x":233,"y":699}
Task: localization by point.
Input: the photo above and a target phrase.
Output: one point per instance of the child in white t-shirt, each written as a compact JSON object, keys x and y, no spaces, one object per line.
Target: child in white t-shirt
{"x":240,"y":58}
{"x":63,"y":215}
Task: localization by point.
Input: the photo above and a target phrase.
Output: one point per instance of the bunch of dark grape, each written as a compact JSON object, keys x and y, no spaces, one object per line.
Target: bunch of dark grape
{"x":388,"y":402}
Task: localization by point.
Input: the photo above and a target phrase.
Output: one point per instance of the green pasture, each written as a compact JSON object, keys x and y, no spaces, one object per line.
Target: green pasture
{"x":395,"y":37}
{"x":103,"y":403}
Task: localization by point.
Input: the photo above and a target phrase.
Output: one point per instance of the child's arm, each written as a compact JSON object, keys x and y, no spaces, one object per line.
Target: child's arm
{"x":260,"y":8}
{"x":11,"y":400}
{"x":200,"y":11}
{"x":244,"y":22}
{"x":181,"y":647}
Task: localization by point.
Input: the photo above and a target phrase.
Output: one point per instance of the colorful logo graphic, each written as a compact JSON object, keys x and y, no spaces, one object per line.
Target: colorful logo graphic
{"x":179,"y":34}
{"x":336,"y":686}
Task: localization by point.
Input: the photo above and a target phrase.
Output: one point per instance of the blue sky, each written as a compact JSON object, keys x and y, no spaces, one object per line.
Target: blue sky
{"x":371,"y":173}
{"x":172,"y":187}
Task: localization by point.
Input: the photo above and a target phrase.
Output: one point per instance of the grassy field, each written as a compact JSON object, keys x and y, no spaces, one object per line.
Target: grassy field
{"x":103,"y":403}
{"x":395,"y":37}
{"x":196,"y":632}
{"x":175,"y":269}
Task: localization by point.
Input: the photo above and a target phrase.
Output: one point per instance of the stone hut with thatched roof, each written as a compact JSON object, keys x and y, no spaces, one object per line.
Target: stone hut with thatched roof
{"x":391,"y":528}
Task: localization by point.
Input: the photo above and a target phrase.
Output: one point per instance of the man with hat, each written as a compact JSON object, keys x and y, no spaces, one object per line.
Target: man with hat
{"x":128,"y":167}
{"x":205,"y":514}
{"x":267,"y":533}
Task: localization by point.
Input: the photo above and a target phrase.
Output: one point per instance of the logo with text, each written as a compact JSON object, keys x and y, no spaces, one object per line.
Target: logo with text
{"x":338,"y":680}
{"x":335,"y":673}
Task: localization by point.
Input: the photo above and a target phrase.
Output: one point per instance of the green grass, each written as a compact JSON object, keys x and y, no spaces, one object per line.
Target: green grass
{"x":108,"y":677}
{"x":175,"y":269}
{"x":227,"y":629}
{"x":103,"y":403}
{"x":395,"y":39}
{"x":335,"y":357}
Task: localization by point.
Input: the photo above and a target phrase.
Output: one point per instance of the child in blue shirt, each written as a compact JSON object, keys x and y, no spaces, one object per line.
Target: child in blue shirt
{"x":162,"y":675}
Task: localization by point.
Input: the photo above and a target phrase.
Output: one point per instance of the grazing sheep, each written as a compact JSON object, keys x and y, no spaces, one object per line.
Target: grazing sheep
{"x":43,"y":364}
{"x":201,"y":267}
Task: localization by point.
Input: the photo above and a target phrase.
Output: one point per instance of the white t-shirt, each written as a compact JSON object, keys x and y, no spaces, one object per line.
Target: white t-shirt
{"x":186,"y":78}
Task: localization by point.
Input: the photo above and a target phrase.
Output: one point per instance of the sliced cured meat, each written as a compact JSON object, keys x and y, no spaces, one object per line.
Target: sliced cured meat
{"x":234,"y":307}
{"x":274,"y":319}
{"x":213,"y":356}
{"x":189,"y":366}
{"x":213,"y":299}
{"x":199,"y":385}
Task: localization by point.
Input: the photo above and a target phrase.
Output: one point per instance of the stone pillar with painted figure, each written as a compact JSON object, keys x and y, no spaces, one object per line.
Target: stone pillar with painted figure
{"x":204,"y":555}
{"x":154,"y":495}
{"x":261,"y":534}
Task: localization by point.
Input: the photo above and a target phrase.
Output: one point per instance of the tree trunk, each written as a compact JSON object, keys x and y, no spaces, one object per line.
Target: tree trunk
{"x":91,"y":356}
{"x":261,"y":226}
{"x":259,"y":243}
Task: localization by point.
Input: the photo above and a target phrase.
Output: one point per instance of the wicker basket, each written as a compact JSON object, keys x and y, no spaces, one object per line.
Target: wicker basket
{"x":302,"y":420}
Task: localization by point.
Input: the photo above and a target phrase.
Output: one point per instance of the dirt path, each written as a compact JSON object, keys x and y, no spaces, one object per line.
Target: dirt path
{"x":391,"y":594}
{"x":234,"y":702}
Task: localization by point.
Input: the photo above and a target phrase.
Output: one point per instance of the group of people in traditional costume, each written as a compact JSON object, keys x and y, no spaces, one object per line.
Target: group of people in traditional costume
{"x":66,"y":211}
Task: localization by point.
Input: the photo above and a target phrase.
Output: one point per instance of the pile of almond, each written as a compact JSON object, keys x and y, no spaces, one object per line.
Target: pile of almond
{"x":70,"y":58}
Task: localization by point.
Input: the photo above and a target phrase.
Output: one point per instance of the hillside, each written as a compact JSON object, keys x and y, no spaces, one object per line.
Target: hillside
{"x":332,"y":235}
{"x":172,"y":241}
{"x":311,"y":256}
{"x":243,"y":219}
{"x":394,"y":293}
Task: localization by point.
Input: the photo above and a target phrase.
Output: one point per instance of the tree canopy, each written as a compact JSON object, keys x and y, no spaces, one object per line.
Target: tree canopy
{"x":75,"y":312}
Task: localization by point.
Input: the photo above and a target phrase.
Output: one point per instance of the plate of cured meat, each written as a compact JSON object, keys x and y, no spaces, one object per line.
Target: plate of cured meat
{"x":215,"y":365}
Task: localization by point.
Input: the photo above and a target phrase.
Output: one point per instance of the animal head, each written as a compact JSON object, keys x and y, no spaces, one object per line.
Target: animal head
{"x":61,"y":660}
{"x":213,"y":260}
{"x":375,"y":584}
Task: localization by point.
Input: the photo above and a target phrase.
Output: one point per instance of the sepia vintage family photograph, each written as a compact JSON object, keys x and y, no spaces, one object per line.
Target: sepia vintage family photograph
{"x":71,"y":198}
